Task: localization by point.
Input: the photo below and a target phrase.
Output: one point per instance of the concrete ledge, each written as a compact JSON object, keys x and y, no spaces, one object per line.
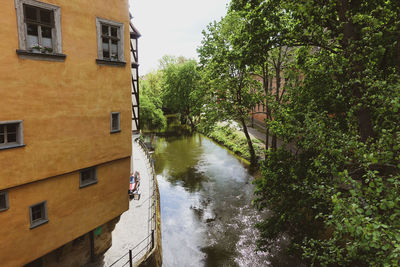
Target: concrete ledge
{"x":41,"y":56}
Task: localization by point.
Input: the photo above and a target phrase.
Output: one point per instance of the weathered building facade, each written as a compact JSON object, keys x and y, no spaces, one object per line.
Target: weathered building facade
{"x":65,"y":123}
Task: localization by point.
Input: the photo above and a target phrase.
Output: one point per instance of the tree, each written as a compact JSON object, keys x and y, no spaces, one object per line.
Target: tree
{"x":262,"y":54}
{"x":150,"y":113}
{"x":181,"y":88}
{"x":338,"y":196}
{"x":229,"y":79}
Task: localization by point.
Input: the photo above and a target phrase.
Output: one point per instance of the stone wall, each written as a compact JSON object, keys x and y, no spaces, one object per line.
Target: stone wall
{"x":79,"y":251}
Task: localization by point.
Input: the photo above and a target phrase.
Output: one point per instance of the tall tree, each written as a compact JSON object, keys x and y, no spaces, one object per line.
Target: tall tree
{"x":338,"y":196}
{"x":150,"y":112}
{"x":270,"y":60}
{"x":230,"y":81}
{"x":181,"y":89}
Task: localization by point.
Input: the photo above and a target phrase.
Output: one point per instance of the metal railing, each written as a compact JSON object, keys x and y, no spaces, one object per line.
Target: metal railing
{"x":130,"y":258}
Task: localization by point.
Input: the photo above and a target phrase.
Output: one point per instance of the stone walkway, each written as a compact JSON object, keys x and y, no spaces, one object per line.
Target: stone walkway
{"x":134,"y":227}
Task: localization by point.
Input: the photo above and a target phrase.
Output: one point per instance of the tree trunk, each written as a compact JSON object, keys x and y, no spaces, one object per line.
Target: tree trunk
{"x":253,"y":158}
{"x":398,"y":52}
{"x":191,"y":122}
{"x":269,"y":113}
{"x":274,"y":144}
{"x":398,"y":38}
{"x":350,"y":35}
{"x":266,"y":92}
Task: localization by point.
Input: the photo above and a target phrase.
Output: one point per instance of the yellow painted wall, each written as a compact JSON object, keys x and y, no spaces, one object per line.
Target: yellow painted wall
{"x":65,"y":106}
{"x":72,"y":212}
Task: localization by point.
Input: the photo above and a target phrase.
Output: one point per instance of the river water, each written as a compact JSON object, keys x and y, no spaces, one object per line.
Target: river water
{"x":207,"y":216}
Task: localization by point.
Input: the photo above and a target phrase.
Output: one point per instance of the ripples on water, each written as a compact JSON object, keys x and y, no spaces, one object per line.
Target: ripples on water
{"x":207,"y":217}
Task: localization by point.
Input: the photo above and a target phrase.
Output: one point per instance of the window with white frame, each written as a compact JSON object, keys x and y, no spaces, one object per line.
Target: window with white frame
{"x":115,"y":122}
{"x":87,"y":177}
{"x":11,"y":134}
{"x":39,"y":26}
{"x":110,"y":40}
{"x":38,"y":214}
{"x":4,"y":200}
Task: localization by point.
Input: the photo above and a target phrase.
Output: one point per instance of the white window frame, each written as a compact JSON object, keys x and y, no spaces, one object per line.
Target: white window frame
{"x":118,"y":129}
{"x":22,"y":31}
{"x":20,"y":135}
{"x":5,"y":193}
{"x":42,"y":220}
{"x":93,"y":180}
{"x":120,"y":26}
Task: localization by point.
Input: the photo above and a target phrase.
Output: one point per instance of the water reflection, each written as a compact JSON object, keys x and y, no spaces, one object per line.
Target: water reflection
{"x":207,"y":217}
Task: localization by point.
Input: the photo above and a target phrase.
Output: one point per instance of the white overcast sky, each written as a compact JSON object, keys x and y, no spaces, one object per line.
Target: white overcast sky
{"x":172,"y":27}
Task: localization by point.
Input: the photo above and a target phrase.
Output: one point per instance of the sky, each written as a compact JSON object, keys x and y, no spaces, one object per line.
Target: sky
{"x":172,"y":27}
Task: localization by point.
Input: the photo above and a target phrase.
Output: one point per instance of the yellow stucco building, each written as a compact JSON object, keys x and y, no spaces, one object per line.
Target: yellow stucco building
{"x":65,"y":122}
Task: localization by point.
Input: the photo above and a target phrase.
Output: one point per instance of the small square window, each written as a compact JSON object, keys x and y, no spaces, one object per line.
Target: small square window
{"x":11,"y":134}
{"x":88,"y":177}
{"x":115,"y":122}
{"x":38,"y":214}
{"x":4,"y":201}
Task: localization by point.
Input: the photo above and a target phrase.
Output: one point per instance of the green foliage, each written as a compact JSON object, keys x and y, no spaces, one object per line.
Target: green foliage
{"x":234,"y":140}
{"x":336,"y":194}
{"x":227,"y":80}
{"x":150,"y":113}
{"x":150,"y":116}
{"x":180,"y":88}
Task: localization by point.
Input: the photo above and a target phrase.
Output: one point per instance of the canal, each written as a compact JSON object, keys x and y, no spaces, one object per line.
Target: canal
{"x":207,"y":216}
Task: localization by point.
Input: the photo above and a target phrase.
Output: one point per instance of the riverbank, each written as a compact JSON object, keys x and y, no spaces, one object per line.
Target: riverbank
{"x":232,"y":137}
{"x":227,"y":134}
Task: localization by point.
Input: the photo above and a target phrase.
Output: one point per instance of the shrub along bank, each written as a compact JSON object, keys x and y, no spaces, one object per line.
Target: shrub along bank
{"x":235,"y":141}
